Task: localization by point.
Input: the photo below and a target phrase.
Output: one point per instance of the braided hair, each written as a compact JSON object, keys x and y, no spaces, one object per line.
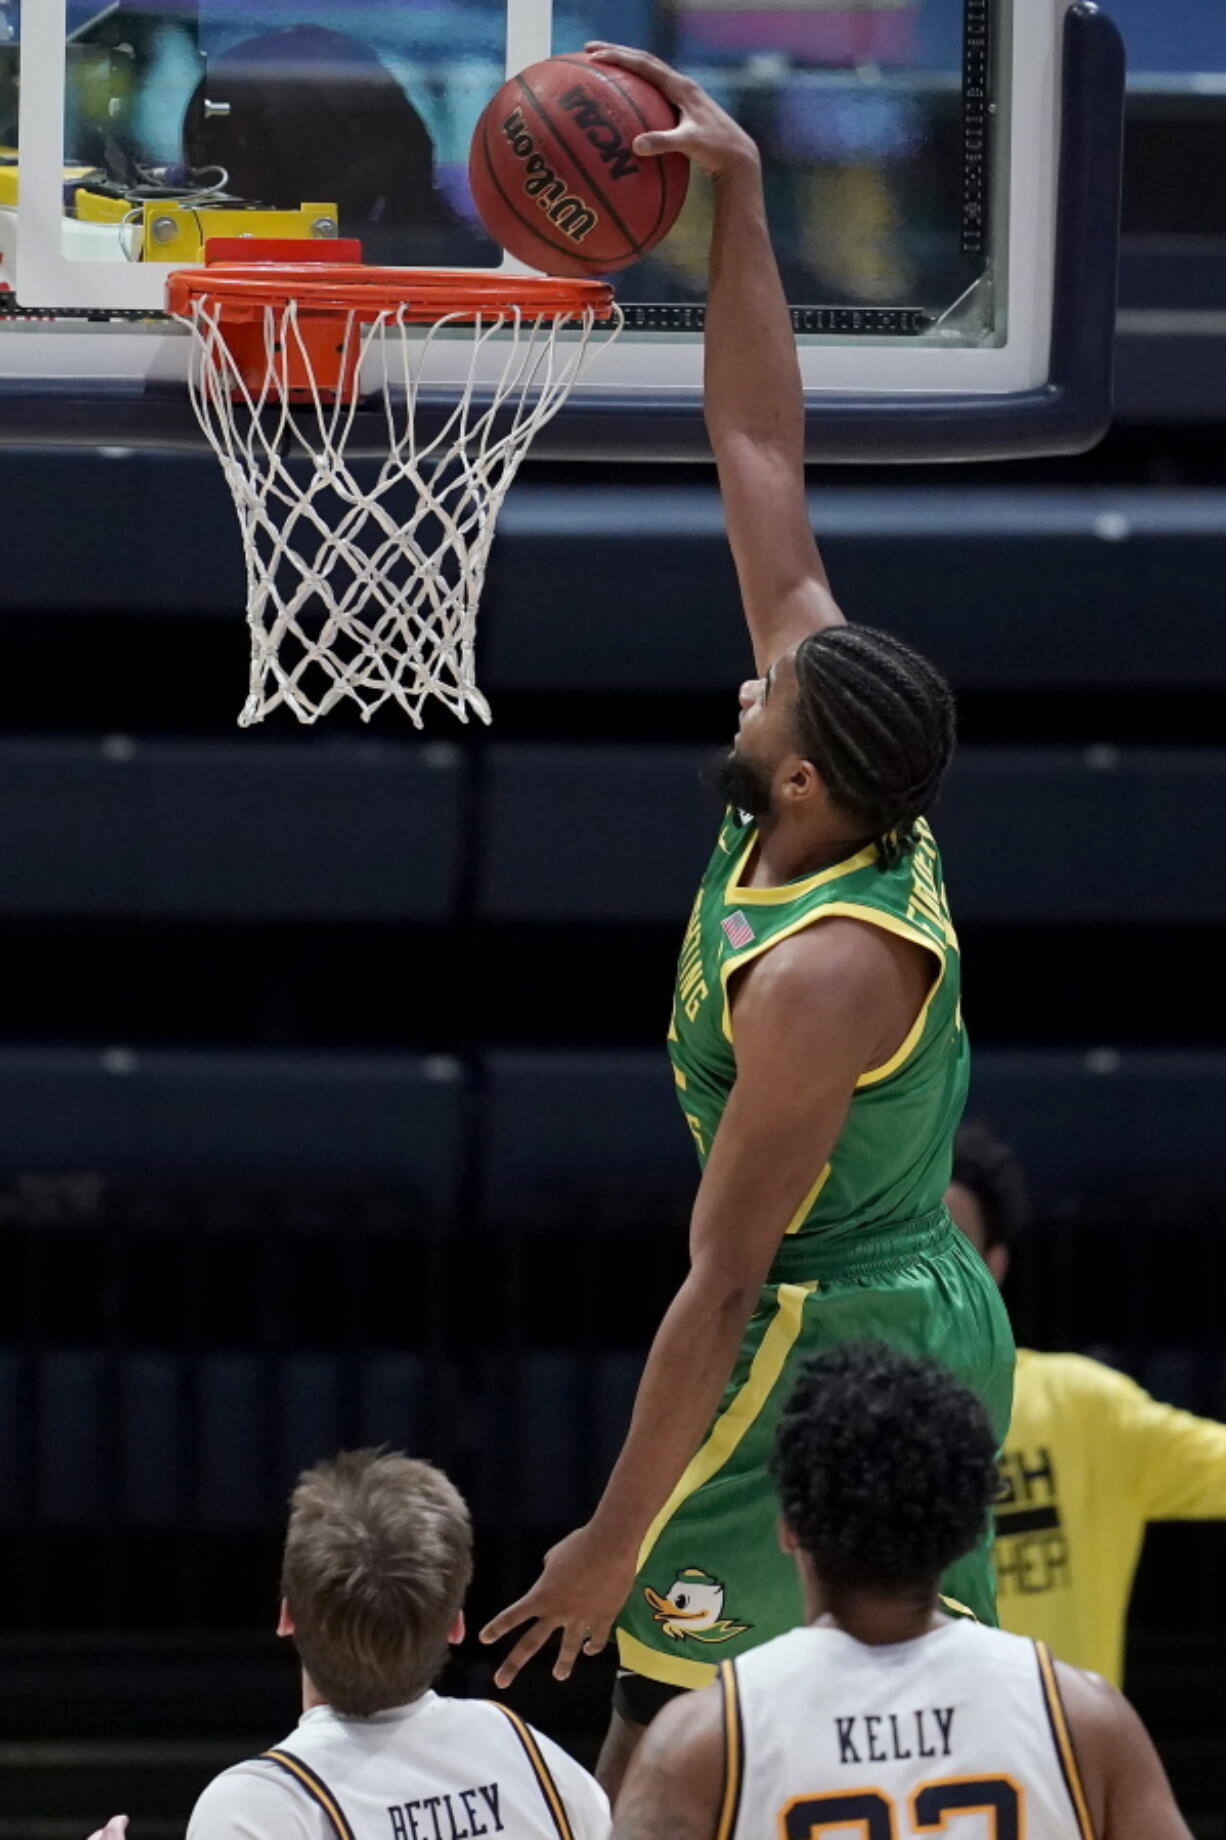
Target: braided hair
{"x":877,"y":721}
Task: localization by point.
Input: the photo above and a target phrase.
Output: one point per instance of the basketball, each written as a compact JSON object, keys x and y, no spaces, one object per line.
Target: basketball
{"x":553,"y":175}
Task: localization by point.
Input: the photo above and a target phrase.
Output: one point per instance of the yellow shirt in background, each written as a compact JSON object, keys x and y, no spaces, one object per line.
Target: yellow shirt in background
{"x":1089,"y":1459}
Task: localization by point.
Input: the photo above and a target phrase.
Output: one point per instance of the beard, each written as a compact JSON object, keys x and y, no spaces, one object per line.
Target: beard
{"x":740,"y":783}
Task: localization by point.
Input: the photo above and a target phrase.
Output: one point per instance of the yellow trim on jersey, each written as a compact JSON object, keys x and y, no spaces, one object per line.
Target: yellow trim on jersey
{"x":672,"y":1670}
{"x":730,"y":1427}
{"x":847,"y":910}
{"x":963,"y":1610}
{"x":549,"y":1788}
{"x":1064,"y":1742}
{"x":734,"y":1753}
{"x":914,"y":1036}
{"x":315,"y":1787}
{"x":734,"y":894}
{"x":803,"y":1211}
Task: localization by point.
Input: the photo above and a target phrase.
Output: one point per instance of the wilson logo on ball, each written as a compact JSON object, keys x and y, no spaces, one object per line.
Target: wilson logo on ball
{"x":542,"y":184}
{"x":553,"y":171}
{"x":604,"y":135}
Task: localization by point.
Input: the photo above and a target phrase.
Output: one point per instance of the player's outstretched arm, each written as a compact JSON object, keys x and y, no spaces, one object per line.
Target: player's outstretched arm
{"x":1125,"y":1784}
{"x":753,"y":392}
{"x":1179,"y":1459}
{"x":810,"y":1017}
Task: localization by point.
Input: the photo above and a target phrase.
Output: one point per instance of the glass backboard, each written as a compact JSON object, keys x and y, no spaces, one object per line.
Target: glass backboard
{"x":912,"y":154}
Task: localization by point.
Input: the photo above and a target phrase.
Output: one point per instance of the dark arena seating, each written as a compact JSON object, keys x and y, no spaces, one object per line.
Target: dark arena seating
{"x":334,"y":1101}
{"x":334,"y":1104}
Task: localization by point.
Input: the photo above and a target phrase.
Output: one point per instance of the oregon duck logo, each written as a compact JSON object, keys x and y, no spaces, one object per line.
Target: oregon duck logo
{"x":693,"y":1609}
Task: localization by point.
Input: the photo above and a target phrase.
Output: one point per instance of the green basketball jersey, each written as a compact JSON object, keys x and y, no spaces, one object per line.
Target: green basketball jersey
{"x":893,"y":1157}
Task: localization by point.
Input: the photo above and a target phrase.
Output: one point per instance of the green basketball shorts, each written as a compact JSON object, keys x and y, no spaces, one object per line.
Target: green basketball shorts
{"x":712,"y":1581}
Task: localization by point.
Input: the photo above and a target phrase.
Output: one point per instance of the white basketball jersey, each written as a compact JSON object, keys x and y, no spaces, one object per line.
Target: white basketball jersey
{"x":961,"y":1731}
{"x":440,"y":1769}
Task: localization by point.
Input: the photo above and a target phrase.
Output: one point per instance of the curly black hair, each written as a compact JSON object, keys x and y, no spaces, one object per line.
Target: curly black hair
{"x":877,"y":721}
{"x":885,"y":1466}
{"x":987,"y":1166}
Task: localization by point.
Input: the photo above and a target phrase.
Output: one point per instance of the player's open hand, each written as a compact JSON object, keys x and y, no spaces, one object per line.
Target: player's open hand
{"x":705,"y":133}
{"x":582,"y":1587}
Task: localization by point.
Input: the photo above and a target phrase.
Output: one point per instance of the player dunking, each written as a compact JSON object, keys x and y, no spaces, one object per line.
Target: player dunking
{"x":817,"y":1043}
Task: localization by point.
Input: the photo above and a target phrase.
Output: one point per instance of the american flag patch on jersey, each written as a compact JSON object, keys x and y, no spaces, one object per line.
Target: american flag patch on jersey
{"x":738,"y":929}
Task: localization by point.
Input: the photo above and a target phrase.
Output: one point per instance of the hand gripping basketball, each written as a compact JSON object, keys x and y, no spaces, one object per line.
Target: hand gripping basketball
{"x":553,"y":175}
{"x":705,"y":134}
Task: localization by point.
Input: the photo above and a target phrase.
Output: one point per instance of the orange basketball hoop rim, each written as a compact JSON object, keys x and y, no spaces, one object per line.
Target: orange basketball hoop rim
{"x":289,"y":316}
{"x":363,"y":586}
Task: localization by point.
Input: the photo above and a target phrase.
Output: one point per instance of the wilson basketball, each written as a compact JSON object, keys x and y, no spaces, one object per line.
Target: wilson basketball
{"x":554,"y":176}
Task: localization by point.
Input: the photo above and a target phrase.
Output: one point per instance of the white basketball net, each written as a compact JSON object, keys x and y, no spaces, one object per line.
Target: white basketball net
{"x":368,"y":590}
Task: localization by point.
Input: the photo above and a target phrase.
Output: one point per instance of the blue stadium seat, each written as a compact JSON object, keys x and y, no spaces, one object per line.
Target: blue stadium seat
{"x":70,"y":1422}
{"x":188,"y":559}
{"x":251,"y":1118}
{"x":260,"y":1421}
{"x":548,"y":1432}
{"x":1053,"y":834}
{"x":633,"y":589}
{"x":153,"y":1448}
{"x":595,"y":833}
{"x":591,"y":1138}
{"x":1066,"y":835}
{"x":229,"y":829}
{"x":152,"y":1439}
{"x":390,"y":1400}
{"x":598,"y":590}
{"x":1007,"y":589}
{"x":14,"y":1434}
{"x":587,"y":1136}
{"x":1110,"y":1122}
{"x":232,"y":1484}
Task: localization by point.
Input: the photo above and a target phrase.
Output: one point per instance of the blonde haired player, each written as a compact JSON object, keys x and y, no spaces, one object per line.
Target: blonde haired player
{"x":378,"y":1558}
{"x":882,"y":1716}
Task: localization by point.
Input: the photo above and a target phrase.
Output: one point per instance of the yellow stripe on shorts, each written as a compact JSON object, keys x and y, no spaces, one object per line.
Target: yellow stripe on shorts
{"x":730,"y":1427}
